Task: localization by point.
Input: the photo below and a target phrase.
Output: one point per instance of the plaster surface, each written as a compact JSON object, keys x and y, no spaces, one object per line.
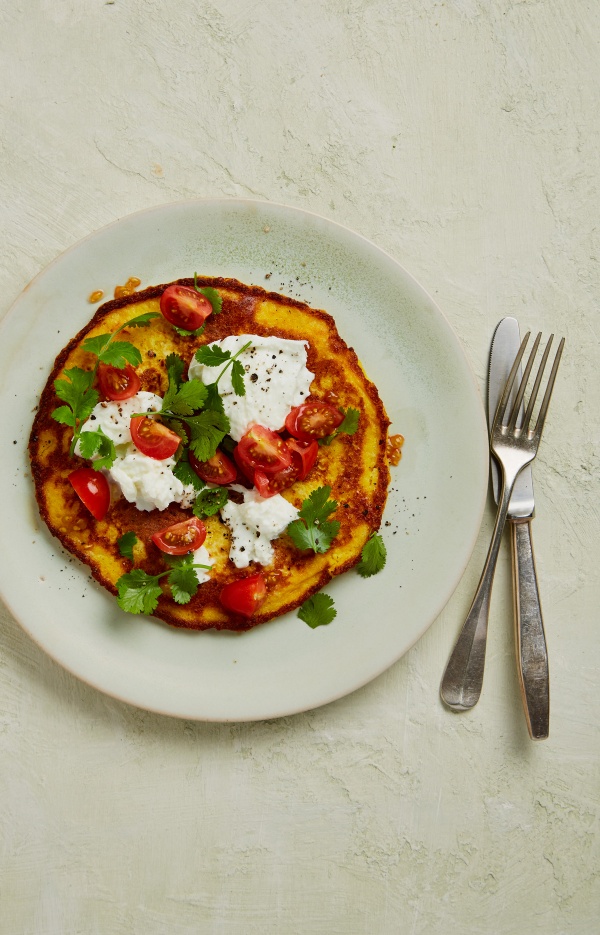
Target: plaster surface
{"x":463,"y":138}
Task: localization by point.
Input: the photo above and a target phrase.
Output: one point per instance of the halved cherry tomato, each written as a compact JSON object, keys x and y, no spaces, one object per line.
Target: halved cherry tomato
{"x":184,"y":307}
{"x":217,"y":470}
{"x":303,"y":453}
{"x":118,"y":384}
{"x":153,"y":438}
{"x":92,"y":489}
{"x":244,"y":596}
{"x":262,"y":449}
{"x":313,"y":420}
{"x":270,"y":484}
{"x":181,"y":537}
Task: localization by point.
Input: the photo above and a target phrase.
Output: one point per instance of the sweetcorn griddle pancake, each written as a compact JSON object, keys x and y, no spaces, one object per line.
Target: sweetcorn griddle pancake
{"x":354,"y":466}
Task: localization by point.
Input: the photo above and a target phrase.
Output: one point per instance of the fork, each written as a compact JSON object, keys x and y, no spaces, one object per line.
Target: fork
{"x":514,"y":444}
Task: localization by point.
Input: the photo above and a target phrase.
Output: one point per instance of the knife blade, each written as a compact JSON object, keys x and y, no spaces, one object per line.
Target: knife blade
{"x":531,"y":649}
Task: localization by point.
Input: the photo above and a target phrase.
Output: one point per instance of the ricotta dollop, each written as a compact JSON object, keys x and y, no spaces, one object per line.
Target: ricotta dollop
{"x":276,"y":379}
{"x":254,"y":524}
{"x":148,"y":483}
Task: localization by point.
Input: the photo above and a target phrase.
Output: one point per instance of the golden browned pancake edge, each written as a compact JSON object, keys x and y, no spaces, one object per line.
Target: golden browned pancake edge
{"x":354,"y":466}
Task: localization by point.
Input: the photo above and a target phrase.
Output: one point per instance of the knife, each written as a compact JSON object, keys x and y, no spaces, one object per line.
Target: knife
{"x":532,"y":653}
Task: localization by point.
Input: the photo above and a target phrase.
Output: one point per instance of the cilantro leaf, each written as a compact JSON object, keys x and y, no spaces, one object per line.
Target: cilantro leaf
{"x":318,"y":610}
{"x":119,"y":354}
{"x":126,"y":544}
{"x":183,"y":333}
{"x":140,"y":321}
{"x":206,"y":430}
{"x":313,"y":530}
{"x":211,"y":355}
{"x":211,"y":294}
{"x":189,"y":397}
{"x":237,"y":378}
{"x":209,"y":501}
{"x":138,"y":592}
{"x":175,"y":366}
{"x":183,"y":582}
{"x":96,"y":345}
{"x":348,"y":426}
{"x":92,"y":444}
{"x":372,"y":557}
{"x":184,"y":472}
{"x":213,"y":399}
{"x":65,"y":415}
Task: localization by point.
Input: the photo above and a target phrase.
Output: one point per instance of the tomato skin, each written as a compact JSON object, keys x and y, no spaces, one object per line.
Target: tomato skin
{"x":92,"y":489}
{"x":184,"y":307}
{"x":153,"y":438}
{"x":261,"y":448}
{"x":304,"y":454}
{"x":118,"y":384}
{"x":180,"y":538}
{"x":313,"y":420}
{"x":270,"y":484}
{"x":217,"y":470}
{"x":245,"y":596}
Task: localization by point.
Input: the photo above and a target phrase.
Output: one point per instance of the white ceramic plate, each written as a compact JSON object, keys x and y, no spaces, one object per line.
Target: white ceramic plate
{"x":437,"y":493}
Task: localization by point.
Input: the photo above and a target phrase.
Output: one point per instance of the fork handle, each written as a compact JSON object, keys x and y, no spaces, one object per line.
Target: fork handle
{"x":532,"y":653}
{"x":463,"y":678}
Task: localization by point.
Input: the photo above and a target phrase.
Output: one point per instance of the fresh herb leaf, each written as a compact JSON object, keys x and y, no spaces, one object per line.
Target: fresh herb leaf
{"x":318,"y":610}
{"x":209,"y":501}
{"x":96,"y":345}
{"x":189,"y":397}
{"x":175,"y":366}
{"x":211,"y":355}
{"x":138,"y":592}
{"x":80,"y":397}
{"x":183,"y":333}
{"x":119,"y":354}
{"x":126,"y":544}
{"x":211,"y":294}
{"x":237,"y":378}
{"x":184,"y":472}
{"x":213,"y":399}
{"x":348,"y":427}
{"x":207,"y":429}
{"x":372,"y":557}
{"x":98,"y":447}
{"x":183,"y":582}
{"x":140,"y":321}
{"x":313,"y":529}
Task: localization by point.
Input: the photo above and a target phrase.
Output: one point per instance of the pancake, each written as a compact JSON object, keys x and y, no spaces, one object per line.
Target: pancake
{"x":355,"y":467}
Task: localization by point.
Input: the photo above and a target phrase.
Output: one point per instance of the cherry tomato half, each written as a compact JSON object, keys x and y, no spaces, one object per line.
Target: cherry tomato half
{"x":270,"y":484}
{"x":92,"y":489}
{"x":244,"y":596}
{"x":217,"y":470}
{"x":313,"y":420}
{"x":304,"y":454}
{"x":181,"y":537}
{"x":262,"y":449}
{"x":184,"y":307}
{"x":118,"y":384}
{"x":153,"y":438}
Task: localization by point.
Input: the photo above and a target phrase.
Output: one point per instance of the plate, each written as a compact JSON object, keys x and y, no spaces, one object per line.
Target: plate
{"x":434,"y":507}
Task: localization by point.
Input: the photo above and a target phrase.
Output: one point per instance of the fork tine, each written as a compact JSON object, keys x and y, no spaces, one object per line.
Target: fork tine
{"x":536,"y":385}
{"x":523,"y":385}
{"x":502,"y":405}
{"x":539,"y":425}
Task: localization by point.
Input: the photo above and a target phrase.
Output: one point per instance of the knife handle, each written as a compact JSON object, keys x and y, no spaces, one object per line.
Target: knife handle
{"x":532,"y":653}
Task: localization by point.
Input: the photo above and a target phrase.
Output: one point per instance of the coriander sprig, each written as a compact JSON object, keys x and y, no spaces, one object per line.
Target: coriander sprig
{"x":348,"y":426}
{"x":76,"y":386}
{"x":318,"y":610}
{"x":211,"y":355}
{"x":138,"y":592}
{"x":373,"y":556}
{"x":313,"y":529}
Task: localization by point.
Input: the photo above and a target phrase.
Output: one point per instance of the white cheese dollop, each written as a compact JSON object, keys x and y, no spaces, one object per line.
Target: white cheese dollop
{"x":276,"y":379}
{"x":202,"y":557}
{"x":148,"y":483}
{"x":254,"y":524}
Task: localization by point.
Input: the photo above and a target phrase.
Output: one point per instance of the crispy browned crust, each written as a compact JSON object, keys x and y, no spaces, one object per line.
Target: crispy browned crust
{"x":354,"y":466}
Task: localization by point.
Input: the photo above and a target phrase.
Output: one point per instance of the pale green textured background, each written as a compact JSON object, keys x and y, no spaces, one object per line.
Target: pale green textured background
{"x":463,"y":138}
